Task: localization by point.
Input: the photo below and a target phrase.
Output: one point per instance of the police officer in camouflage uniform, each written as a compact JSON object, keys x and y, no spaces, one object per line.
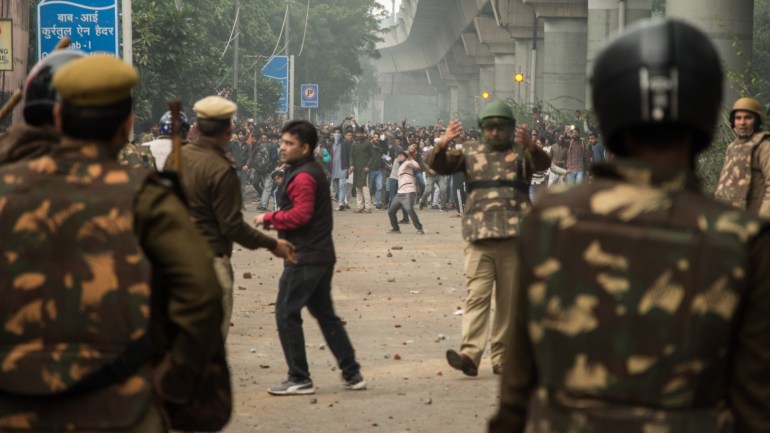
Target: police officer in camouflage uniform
{"x":82,"y":237}
{"x":745,"y":178}
{"x":136,"y":156}
{"x":497,"y":172}
{"x":644,"y":306}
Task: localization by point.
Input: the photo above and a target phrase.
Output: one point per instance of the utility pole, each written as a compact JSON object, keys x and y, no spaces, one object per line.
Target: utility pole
{"x":237,"y":37}
{"x":622,"y":15}
{"x":290,"y":90}
{"x":533,"y":60}
{"x":128,"y":41}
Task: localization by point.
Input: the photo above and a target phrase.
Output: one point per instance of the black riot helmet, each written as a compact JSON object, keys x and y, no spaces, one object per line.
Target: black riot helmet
{"x":39,"y":94}
{"x":165,"y":124}
{"x":658,"y":73}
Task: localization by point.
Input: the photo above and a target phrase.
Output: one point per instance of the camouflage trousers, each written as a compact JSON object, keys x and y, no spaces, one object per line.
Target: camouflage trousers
{"x":224,"y":271}
{"x":490,"y":268}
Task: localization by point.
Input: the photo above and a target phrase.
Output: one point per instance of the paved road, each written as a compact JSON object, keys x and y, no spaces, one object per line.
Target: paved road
{"x":398,"y":294}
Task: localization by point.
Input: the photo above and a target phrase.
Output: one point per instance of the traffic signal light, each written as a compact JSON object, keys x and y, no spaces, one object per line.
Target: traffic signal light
{"x":518,"y":77}
{"x":485,"y":95}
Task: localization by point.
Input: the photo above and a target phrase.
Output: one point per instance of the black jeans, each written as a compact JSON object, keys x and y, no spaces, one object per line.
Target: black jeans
{"x":310,"y":286}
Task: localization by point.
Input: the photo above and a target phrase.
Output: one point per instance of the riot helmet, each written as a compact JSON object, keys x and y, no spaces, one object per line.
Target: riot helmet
{"x":39,"y":93}
{"x":658,"y":73}
{"x":165,"y":124}
{"x":752,"y":106}
{"x":497,"y":112}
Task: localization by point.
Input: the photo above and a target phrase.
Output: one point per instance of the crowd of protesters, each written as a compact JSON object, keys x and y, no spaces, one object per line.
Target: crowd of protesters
{"x":348,"y":150}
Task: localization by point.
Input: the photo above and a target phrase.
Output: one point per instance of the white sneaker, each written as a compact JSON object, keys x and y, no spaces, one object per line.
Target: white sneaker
{"x":293,"y":388}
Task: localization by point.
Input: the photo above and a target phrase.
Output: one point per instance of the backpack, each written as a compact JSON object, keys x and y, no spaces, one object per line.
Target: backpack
{"x":262,"y":160}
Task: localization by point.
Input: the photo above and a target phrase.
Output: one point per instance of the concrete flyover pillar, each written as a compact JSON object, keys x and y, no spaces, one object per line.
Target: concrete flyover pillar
{"x":726,"y":22}
{"x":523,"y":65}
{"x":604,"y":22}
{"x":442,"y":102}
{"x":461,"y":101}
{"x":564,"y":69}
{"x":505,"y":68}
{"x":470,"y":110}
{"x":378,"y":108}
{"x":486,"y":80}
{"x":454,"y":99}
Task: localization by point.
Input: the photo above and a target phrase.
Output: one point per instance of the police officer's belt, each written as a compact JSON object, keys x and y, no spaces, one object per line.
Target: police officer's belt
{"x":515,"y":184}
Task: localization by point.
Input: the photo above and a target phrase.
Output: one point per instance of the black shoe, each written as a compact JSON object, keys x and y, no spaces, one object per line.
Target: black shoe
{"x":404,"y":221}
{"x":462,"y":362}
{"x":422,"y":205}
{"x":394,"y":231}
{"x":356,"y":383}
{"x":434,"y":207}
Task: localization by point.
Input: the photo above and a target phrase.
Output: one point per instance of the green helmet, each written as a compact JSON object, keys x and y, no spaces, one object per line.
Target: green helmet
{"x":499,"y":110}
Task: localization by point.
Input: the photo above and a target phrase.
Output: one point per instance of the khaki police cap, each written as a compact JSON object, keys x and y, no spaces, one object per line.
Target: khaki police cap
{"x":214,"y":107}
{"x":99,"y":79}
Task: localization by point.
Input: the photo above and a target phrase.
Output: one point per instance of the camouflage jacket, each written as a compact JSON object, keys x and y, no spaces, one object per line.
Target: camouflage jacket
{"x":76,"y":291}
{"x":492,"y":212}
{"x":25,"y":142}
{"x":632,"y":289}
{"x":745,"y":178}
{"x":137,"y":156}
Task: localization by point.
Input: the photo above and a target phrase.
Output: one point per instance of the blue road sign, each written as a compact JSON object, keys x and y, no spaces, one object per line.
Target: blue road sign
{"x":277,"y":68}
{"x":310,"y":96}
{"x":92,"y":25}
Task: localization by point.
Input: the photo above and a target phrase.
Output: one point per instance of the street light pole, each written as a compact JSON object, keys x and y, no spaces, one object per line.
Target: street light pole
{"x":235,"y":51}
{"x":128,"y":42}
{"x":290,"y":90}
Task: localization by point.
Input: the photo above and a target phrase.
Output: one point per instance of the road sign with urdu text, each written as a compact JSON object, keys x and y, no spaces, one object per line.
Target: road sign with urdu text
{"x":91,"y":25}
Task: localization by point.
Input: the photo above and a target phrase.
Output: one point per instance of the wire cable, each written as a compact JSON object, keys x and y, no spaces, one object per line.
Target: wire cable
{"x":307,"y":14}
{"x":232,"y":38}
{"x":283,"y":25}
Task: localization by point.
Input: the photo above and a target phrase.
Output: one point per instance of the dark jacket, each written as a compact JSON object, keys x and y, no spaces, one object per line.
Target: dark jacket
{"x":313,"y":241}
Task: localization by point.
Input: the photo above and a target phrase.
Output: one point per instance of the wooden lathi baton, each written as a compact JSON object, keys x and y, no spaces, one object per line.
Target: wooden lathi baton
{"x":175,"y":164}
{"x":173,"y":170}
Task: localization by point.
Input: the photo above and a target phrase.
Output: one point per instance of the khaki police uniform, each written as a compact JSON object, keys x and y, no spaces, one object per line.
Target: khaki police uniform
{"x":212,"y":188}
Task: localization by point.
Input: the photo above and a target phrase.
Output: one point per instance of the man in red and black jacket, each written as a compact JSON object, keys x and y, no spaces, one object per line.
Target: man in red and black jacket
{"x":305,"y":219}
